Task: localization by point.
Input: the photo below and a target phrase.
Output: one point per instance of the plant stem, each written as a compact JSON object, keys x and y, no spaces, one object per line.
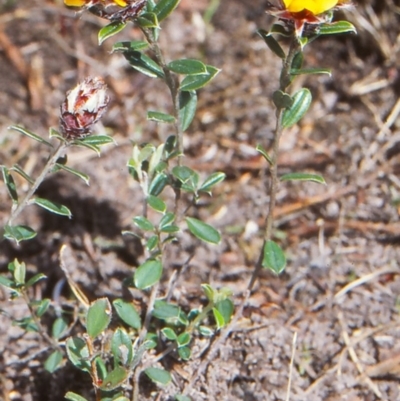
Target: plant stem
{"x":47,"y":168}
{"x":284,"y":81}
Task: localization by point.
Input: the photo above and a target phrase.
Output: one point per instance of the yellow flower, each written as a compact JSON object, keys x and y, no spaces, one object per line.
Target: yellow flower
{"x":313,"y":6}
{"x":81,"y":3}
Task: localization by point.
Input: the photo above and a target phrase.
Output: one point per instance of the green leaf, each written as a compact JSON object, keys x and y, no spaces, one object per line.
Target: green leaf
{"x":148,"y":274}
{"x":301,"y":103}
{"x":297,"y":62}
{"x":53,"y":207}
{"x":185,"y":353}
{"x":158,"y":183}
{"x":74,"y":397}
{"x":157,"y":375}
{"x":183,"y":339}
{"x":59,"y":328}
{"x":18,"y":169}
{"x":311,"y":71}
{"x":30,"y":134}
{"x":148,"y":20}
{"x":6,"y":282}
{"x":19,"y":233}
{"x":144,"y":64}
{"x":127,"y":312}
{"x":143,"y":223}
{"x":219,"y":319}
{"x":152,"y":242}
{"x":263,"y":152}
{"x":303,"y":177}
{"x":274,"y":258}
{"x":272,"y":43}
{"x":203,"y":231}
{"x":282,"y":100}
{"x":95,"y":140}
{"x":166,"y":220}
{"x":279,"y":30}
{"x":130,"y":46}
{"x":211,"y":181}
{"x":53,"y":362}
{"x":77,"y":173}
{"x":121,"y":347}
{"x":156,"y":204}
{"x":209,"y":292}
{"x":187,"y":67}
{"x":78,"y":353}
{"x":165,"y":311}
{"x":42,"y":307}
{"x":169,"y":333}
{"x":98,"y":317}
{"x":114,"y":379}
{"x":10,"y":184}
{"x":206,"y":331}
{"x":226,"y":309}
{"x":187,"y":108}
{"x":336,"y":27}
{"x":164,"y":8}
{"x":19,"y":272}
{"x":160,"y":117}
{"x":194,"y":82}
{"x":110,"y":30}
{"x":35,"y":279}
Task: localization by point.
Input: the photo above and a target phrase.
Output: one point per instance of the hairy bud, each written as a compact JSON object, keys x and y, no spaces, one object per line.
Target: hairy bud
{"x":83,"y":107}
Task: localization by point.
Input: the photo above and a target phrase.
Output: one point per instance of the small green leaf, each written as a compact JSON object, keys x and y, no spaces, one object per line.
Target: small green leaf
{"x":53,"y":362}
{"x":298,"y":59}
{"x":165,"y":311}
{"x":272,"y":43}
{"x":160,"y":117}
{"x":35,"y":279}
{"x":310,"y":71}
{"x":274,"y":258}
{"x":59,"y":328}
{"x":148,"y":20}
{"x":282,"y":100}
{"x":78,"y":353}
{"x":110,"y":30}
{"x":121,"y":347}
{"x":187,"y":67}
{"x":18,"y":169}
{"x":194,"y":82}
{"x":169,"y":333}
{"x":6,"y":282}
{"x":158,"y":183}
{"x":187,"y":108}
{"x":42,"y":307}
{"x":263,"y":152}
{"x":74,"y":397}
{"x":219,"y":319}
{"x":127,"y":312}
{"x":301,"y":103}
{"x":336,"y":27}
{"x":19,"y":233}
{"x":96,"y":140}
{"x":114,"y":379}
{"x":143,"y":223}
{"x":156,"y":204}
{"x":185,"y":353}
{"x":206,"y":331}
{"x":129,"y":46}
{"x":77,"y":173}
{"x":180,"y":397}
{"x":209,"y":292}
{"x":148,"y":274}
{"x":157,"y":375}
{"x":19,"y":272}
{"x":303,"y":177}
{"x":144,"y":64}
{"x":152,"y":242}
{"x":211,"y":181}
{"x":98,"y":317}
{"x":164,"y":8}
{"x":166,"y":220}
{"x":183,"y":339}
{"x":53,"y":207}
{"x":30,"y":134}
{"x":10,"y":184}
{"x":203,"y":231}
{"x":226,"y":309}
{"x":280,"y":30}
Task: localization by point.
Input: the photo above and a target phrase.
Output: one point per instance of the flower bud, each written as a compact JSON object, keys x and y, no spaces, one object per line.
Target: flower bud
{"x":83,"y":107}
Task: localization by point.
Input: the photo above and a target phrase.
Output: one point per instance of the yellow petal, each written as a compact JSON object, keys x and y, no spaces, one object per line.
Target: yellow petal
{"x":121,"y":3}
{"x":314,"y":6}
{"x":74,"y":3}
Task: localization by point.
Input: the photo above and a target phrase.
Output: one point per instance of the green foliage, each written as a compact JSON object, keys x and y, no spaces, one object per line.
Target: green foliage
{"x":274,"y":259}
{"x":98,"y":317}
